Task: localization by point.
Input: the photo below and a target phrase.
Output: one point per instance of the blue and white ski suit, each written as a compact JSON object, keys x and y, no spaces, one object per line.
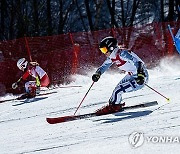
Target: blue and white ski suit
{"x":127,"y":61}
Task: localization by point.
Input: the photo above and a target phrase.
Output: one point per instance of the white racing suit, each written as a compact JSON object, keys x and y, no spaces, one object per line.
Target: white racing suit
{"x":127,"y":61}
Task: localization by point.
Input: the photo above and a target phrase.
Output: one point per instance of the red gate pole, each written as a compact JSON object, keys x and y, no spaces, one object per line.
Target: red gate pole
{"x":28,"y":49}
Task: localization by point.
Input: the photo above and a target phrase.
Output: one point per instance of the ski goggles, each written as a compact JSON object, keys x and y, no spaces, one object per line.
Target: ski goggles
{"x":104,"y":50}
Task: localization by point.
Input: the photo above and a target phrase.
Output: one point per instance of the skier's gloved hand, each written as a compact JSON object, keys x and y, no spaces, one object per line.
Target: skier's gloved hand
{"x":14,"y":85}
{"x":140,"y":75}
{"x":140,"y":78}
{"x":96,"y":76}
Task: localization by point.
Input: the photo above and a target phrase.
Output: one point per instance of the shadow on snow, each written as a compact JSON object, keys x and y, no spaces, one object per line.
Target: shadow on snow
{"x":30,"y":100}
{"x":125,"y":116}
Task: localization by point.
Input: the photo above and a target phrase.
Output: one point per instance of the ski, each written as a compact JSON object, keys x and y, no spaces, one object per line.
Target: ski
{"x":93,"y":114}
{"x":17,"y":98}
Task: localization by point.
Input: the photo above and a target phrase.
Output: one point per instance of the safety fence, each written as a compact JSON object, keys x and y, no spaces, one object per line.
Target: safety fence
{"x":63,"y":55}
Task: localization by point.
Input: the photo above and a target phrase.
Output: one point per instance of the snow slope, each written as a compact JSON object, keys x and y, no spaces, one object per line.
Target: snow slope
{"x":24,"y":129}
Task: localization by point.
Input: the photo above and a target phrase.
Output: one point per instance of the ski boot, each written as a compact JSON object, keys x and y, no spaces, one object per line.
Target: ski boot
{"x":30,"y":94}
{"x":110,"y":108}
{"x":38,"y":90}
{"x":26,"y":95}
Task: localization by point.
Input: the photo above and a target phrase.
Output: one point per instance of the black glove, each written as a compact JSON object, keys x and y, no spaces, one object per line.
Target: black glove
{"x":96,"y":76}
{"x":140,"y":78}
{"x":140,"y":75}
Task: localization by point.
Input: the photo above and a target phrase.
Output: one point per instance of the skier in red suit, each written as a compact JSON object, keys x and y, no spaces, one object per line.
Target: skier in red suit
{"x":40,"y":78}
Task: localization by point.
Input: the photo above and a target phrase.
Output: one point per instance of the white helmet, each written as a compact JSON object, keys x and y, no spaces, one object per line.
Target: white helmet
{"x":22,"y":64}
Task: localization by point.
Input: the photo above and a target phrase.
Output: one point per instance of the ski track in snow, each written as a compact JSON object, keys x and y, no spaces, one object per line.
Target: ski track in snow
{"x":24,"y":128}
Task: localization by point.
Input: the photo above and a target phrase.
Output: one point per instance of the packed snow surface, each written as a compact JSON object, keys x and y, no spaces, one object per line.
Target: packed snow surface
{"x":155,"y":129}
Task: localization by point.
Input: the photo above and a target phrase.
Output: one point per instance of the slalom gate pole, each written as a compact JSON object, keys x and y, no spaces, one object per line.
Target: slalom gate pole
{"x":84,"y":97}
{"x":168,"y":99}
{"x":169,"y":27}
{"x":28,"y":49}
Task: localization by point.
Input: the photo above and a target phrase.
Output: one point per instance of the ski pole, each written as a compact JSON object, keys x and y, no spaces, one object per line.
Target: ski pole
{"x":84,"y":97}
{"x":64,"y":87}
{"x":69,"y":86}
{"x":168,"y":99}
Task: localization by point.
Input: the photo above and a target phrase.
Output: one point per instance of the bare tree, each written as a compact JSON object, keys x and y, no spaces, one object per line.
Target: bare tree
{"x":178,"y":9}
{"x":81,"y":16}
{"x":63,"y":15}
{"x":21,"y":31}
{"x":132,"y":19}
{"x":89,"y":16}
{"x":134,"y":11}
{"x":36,"y":17}
{"x":99,"y":5}
{"x":12,"y":20}
{"x":171,"y":10}
{"x":3,"y":6}
{"x":122,"y":14}
{"x":162,"y":9}
{"x":49,"y":18}
{"x":111,"y":7}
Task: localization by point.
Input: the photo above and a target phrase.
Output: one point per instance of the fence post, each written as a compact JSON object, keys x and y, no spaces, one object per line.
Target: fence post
{"x":28,"y":49}
{"x":113,"y":32}
{"x":76,"y":49}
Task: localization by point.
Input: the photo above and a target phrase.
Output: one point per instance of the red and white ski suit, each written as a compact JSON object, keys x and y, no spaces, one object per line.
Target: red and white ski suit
{"x":35,"y":71}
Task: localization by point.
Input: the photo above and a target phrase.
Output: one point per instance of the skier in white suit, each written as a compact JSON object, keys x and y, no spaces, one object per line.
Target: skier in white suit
{"x":128,"y":61}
